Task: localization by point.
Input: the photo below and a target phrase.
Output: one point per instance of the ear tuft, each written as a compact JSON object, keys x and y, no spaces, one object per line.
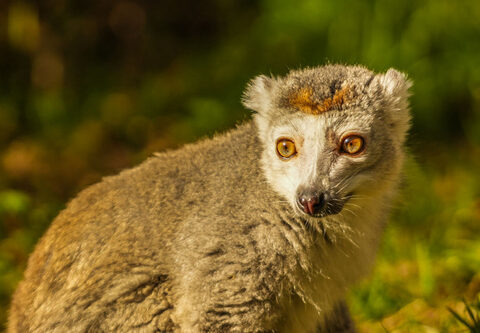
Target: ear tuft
{"x":258,"y":94}
{"x":394,"y":82}
{"x":394,"y":86}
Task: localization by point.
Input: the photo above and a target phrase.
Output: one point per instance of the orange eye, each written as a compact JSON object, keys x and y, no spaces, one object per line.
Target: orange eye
{"x":286,"y":148}
{"x":353,"y":144}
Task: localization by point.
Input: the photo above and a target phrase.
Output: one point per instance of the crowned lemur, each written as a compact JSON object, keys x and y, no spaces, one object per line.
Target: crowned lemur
{"x":260,"y":229}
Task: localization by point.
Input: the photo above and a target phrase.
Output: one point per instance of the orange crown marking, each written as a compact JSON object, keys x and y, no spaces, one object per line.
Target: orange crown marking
{"x":304,"y":102}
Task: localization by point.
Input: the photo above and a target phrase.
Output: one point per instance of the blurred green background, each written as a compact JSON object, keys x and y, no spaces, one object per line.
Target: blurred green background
{"x":90,"y":88}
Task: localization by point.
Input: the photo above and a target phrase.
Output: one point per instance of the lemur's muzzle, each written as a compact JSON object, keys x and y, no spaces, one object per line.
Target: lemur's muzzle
{"x":311,"y":203}
{"x":318,"y":203}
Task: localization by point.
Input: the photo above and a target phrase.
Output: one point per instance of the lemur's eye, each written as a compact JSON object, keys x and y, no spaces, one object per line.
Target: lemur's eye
{"x":286,"y":148}
{"x":352,"y":145}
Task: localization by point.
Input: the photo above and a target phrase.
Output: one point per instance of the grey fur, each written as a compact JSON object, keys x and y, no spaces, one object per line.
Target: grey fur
{"x":207,"y":238}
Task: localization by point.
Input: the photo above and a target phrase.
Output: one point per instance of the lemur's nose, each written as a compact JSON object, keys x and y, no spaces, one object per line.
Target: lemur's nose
{"x":311,"y":203}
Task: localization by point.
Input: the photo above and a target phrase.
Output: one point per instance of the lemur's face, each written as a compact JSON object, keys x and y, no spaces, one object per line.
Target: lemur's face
{"x":321,"y":162}
{"x":332,"y":136}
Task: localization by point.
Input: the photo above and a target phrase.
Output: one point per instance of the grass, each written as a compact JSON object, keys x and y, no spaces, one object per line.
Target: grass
{"x":471,"y":318}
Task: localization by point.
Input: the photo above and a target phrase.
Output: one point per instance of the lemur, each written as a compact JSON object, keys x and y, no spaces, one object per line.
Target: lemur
{"x":260,"y":229}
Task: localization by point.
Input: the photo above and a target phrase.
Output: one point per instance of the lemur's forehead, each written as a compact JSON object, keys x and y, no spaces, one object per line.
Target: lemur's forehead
{"x":319,"y":90}
{"x":304,"y":100}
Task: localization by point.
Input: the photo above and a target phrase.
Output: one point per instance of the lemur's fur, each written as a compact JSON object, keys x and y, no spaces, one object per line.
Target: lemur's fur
{"x":210,"y":237}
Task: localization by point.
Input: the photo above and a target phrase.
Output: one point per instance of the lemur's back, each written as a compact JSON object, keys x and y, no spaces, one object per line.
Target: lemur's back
{"x":259,"y":229}
{"x":109,"y":253}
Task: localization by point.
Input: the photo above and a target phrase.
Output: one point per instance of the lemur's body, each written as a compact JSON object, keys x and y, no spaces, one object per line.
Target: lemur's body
{"x":224,"y":235}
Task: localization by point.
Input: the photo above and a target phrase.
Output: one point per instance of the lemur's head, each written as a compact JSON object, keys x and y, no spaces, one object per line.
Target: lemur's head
{"x":330,"y":134}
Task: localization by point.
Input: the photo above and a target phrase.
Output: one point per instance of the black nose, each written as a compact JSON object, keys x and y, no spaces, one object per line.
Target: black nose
{"x":311,"y":203}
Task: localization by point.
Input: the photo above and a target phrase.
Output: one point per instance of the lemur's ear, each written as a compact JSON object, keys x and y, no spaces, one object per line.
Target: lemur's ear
{"x":258,"y":94}
{"x":394,"y":86}
{"x":394,"y":83}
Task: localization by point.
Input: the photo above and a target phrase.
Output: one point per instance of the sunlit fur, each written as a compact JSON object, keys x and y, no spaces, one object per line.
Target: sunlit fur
{"x":208,"y":238}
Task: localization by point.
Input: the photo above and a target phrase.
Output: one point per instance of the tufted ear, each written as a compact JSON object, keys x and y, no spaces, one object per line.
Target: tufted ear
{"x":394,"y":82}
{"x":394,"y":86}
{"x":258,"y":94}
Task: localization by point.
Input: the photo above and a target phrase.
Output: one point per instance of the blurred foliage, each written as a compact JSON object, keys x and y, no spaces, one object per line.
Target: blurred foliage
{"x":88,"y":88}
